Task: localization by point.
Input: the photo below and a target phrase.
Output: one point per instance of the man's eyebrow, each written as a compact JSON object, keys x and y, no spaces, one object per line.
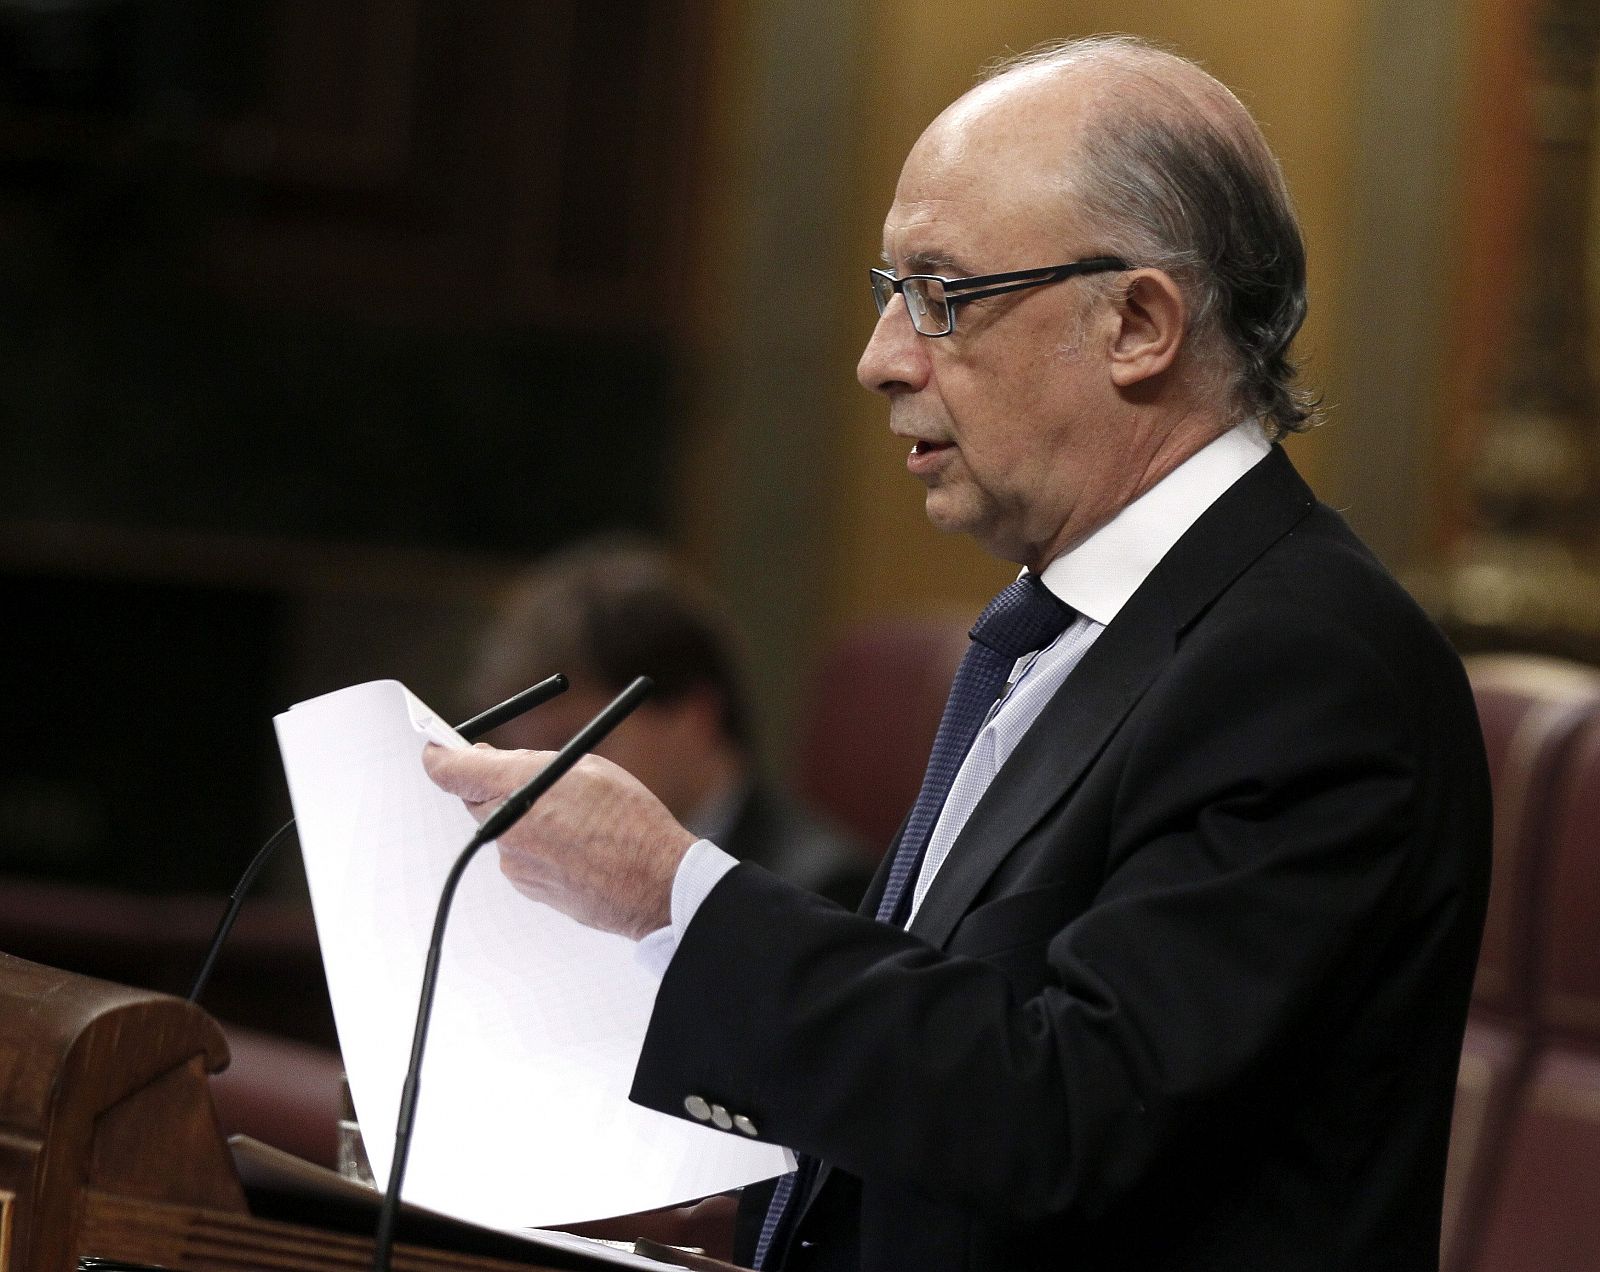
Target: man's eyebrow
{"x":941,"y":263}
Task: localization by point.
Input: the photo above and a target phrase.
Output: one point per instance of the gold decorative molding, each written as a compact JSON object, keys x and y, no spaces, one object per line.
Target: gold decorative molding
{"x":1528,"y":574}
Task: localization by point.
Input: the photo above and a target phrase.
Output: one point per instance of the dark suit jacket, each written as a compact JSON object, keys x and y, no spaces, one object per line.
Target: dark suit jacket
{"x":1188,"y":992}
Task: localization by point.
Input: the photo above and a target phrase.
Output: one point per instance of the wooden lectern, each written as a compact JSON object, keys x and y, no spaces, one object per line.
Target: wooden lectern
{"x":109,"y":1146}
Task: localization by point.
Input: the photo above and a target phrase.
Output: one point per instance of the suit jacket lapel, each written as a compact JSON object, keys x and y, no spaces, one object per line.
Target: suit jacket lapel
{"x":1076,"y":724}
{"x":1052,"y":756}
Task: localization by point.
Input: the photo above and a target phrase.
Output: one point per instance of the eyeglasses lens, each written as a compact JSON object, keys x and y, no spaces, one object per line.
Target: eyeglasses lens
{"x":882,"y":291}
{"x":930,"y":314}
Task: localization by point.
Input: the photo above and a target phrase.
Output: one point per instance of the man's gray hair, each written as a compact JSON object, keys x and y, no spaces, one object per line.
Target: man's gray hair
{"x":1174,"y":174}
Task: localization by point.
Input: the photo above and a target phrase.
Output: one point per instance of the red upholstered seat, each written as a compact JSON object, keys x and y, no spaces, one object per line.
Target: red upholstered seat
{"x":1568,"y":988}
{"x":1545,"y":1215}
{"x":285,"y":1093}
{"x":1544,"y":1211}
{"x":1535,"y":712}
{"x":1493,"y":1057}
{"x":874,"y":709}
{"x":1531,"y":709}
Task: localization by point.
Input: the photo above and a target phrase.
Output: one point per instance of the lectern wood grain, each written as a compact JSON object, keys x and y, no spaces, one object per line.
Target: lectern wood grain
{"x":102,"y":1085}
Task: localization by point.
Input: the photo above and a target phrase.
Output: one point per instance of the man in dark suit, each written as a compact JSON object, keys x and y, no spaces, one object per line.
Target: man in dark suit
{"x":1170,"y":966}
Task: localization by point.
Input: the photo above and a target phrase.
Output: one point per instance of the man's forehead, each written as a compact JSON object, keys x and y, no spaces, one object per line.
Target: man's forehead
{"x":963,"y":226}
{"x":925,"y":236}
{"x":996,"y":160}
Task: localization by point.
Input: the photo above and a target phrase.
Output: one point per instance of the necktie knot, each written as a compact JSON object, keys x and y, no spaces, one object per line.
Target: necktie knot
{"x":1025,"y":617}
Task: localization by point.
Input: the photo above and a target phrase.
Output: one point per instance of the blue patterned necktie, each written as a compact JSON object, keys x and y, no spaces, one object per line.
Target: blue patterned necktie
{"x":1025,"y":617}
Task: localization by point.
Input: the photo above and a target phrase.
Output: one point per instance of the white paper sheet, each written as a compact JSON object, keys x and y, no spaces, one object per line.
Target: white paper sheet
{"x":524,"y":1118}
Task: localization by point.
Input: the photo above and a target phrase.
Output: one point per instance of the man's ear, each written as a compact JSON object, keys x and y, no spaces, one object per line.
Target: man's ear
{"x":1152,"y":321}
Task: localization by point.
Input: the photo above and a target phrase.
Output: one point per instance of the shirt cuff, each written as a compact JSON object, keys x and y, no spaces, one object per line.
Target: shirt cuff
{"x":700,"y":870}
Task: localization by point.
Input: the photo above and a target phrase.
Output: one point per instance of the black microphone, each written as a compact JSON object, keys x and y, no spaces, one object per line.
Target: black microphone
{"x":496,"y":824}
{"x":472,"y":729}
{"x":511,"y":708}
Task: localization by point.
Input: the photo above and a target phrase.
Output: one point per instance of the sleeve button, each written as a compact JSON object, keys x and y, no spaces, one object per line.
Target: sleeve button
{"x":744,"y":1125}
{"x":697,"y":1108}
{"x":720,"y":1118}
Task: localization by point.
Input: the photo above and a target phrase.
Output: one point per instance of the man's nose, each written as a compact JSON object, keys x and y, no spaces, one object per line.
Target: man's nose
{"x":896,"y":357}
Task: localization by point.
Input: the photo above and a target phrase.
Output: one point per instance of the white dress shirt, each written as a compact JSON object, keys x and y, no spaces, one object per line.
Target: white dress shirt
{"x":1096,"y":578}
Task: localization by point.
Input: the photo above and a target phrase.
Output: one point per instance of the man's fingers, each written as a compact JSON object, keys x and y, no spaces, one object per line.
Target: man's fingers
{"x":479,"y":776}
{"x":457,"y":771}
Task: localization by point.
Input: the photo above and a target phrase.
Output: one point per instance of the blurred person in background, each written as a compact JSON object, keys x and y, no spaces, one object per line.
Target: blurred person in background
{"x":608,"y":609}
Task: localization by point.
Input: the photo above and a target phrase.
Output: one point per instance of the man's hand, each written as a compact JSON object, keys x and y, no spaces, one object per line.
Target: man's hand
{"x":597,"y":846}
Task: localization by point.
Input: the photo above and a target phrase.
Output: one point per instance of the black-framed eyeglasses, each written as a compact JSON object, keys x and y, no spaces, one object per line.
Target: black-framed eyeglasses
{"x":931,"y":300}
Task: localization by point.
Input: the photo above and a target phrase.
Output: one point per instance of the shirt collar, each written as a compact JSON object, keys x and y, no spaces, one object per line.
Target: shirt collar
{"x":1098,"y":576}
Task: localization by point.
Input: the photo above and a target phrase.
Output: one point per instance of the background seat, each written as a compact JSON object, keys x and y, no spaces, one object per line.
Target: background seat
{"x":874,"y":707}
{"x":1544,"y":1214}
{"x":1532,"y":710}
{"x":1530,"y":1157}
{"x":285,"y":1093}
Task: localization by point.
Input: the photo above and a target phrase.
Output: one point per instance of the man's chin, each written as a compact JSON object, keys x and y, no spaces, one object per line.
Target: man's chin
{"x":949,"y":514}
{"x":944,"y":513}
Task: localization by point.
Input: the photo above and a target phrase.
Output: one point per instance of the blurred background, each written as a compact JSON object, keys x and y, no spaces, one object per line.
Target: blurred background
{"x":321,"y":318}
